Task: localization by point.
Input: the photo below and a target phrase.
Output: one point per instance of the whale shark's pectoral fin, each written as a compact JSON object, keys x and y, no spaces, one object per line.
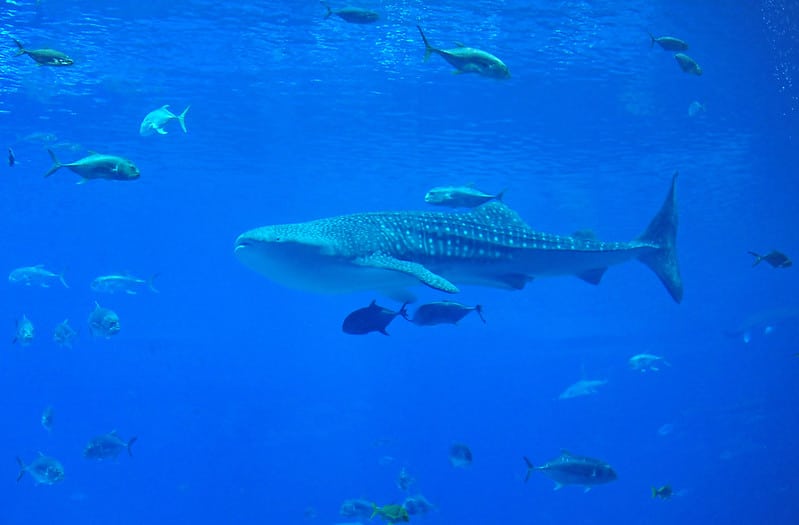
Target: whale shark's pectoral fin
{"x":593,"y":276}
{"x":416,"y":270}
{"x":514,"y":281}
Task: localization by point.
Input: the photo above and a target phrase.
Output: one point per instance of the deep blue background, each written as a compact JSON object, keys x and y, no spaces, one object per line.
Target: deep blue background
{"x":251,"y":405}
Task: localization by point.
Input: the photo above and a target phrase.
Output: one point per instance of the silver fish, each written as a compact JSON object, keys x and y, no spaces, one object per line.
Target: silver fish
{"x":47,"y":419}
{"x":35,"y":276}
{"x":63,"y":335}
{"x":108,"y":446}
{"x":103,"y":322}
{"x":647,"y":362}
{"x":155,"y":121}
{"x":468,"y":59}
{"x":25,"y":332}
{"x":98,"y":166}
{"x":585,"y":387}
{"x":122,"y":283}
{"x":569,"y":469}
{"x":43,"y":469}
{"x":459,"y":196}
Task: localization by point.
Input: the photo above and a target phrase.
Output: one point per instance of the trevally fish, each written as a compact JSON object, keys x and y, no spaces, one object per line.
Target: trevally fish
{"x":353,"y":15}
{"x":43,"y":469}
{"x":122,"y":283}
{"x":44,"y":57}
{"x":585,"y":387}
{"x":108,"y":446}
{"x":459,"y":196}
{"x":372,"y":318}
{"x":98,"y":166}
{"x":444,"y":312}
{"x":468,"y":59}
{"x":63,"y":335}
{"x":103,"y":322}
{"x":25,"y":332}
{"x":155,"y":121}
{"x":460,"y":455}
{"x":669,"y":43}
{"x":47,"y":419}
{"x":647,"y":362}
{"x":569,"y":469}
{"x":688,"y":64}
{"x":35,"y":276}
{"x":489,"y":245}
{"x":775,"y":258}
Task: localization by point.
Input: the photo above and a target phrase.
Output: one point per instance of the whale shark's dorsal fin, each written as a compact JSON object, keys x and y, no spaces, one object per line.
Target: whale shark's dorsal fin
{"x":416,"y":270}
{"x":494,"y":212}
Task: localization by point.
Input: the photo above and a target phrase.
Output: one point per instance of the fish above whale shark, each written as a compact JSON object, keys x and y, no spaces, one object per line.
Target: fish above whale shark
{"x":490,"y":245}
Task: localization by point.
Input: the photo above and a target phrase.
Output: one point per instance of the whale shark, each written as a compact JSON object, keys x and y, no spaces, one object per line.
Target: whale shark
{"x":490,"y":245}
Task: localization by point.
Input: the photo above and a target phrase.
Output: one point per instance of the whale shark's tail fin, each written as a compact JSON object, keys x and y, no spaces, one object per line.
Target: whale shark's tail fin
{"x":662,"y":232}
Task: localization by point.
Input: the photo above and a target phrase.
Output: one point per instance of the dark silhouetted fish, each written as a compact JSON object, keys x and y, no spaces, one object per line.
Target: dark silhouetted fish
{"x":353,"y":15}
{"x":373,"y":318}
{"x":460,"y":455}
{"x":774,"y":258}
{"x":688,"y":64}
{"x":669,"y":43}
{"x":108,"y":446}
{"x":44,"y":57}
{"x":444,"y":312}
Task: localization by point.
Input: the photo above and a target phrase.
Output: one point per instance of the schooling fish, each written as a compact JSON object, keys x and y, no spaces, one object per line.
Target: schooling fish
{"x":103,"y":322}
{"x":459,"y":196}
{"x":43,"y":469}
{"x":444,"y":312}
{"x":25,"y":332}
{"x":373,"y":318}
{"x":63,"y":335}
{"x":36,"y":275}
{"x":669,"y":43}
{"x":569,"y":469}
{"x":108,"y":446}
{"x":468,"y":60}
{"x":688,"y":64}
{"x":155,"y":121}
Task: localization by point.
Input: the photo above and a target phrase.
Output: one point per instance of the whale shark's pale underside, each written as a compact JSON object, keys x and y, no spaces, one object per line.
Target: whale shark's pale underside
{"x":489,"y":245}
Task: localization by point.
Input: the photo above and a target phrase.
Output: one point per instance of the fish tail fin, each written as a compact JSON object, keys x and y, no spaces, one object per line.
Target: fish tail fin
{"x":182,"y":119}
{"x":428,"y":49}
{"x":56,"y":165}
{"x":757,"y":257}
{"x":651,"y":36}
{"x":501,"y":195}
{"x":329,"y":11}
{"x":404,"y":311}
{"x":131,"y":441}
{"x":151,"y":283}
{"x":662,"y":233}
{"x":654,"y":492}
{"x":479,"y":309}
{"x":63,"y":281}
{"x":22,"y":468}
{"x":21,"y":48}
{"x":374,"y":510}
{"x":530,"y":468}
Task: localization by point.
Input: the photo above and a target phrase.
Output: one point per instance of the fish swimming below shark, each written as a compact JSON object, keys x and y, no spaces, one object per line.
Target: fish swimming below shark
{"x":490,"y":245}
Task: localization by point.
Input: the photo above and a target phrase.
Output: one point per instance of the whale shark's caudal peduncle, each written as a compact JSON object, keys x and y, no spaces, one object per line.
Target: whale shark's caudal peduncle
{"x":489,"y":245}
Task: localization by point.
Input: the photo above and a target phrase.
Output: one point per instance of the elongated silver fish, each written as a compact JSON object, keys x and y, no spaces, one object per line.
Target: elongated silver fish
{"x":98,"y":166}
{"x":569,"y":469}
{"x":489,"y":245}
{"x":122,"y":283}
{"x":35,"y":276}
{"x":468,"y":59}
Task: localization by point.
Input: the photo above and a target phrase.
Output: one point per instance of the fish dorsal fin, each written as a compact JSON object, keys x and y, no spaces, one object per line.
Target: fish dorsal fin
{"x":165,"y":106}
{"x":585,"y":235}
{"x":494,"y":212}
{"x":459,"y":44}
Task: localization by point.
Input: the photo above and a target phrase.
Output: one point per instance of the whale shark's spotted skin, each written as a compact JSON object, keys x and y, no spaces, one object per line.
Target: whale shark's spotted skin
{"x":489,"y":245}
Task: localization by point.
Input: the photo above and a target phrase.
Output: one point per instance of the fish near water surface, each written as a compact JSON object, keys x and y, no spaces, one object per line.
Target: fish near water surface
{"x":155,"y":121}
{"x":98,"y":166}
{"x":353,"y":15}
{"x":569,"y":469}
{"x":44,"y":57}
{"x":468,"y":59}
{"x":490,"y":245}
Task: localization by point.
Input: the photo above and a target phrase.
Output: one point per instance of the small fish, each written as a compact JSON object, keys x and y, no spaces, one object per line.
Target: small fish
{"x":669,"y":43}
{"x":63,"y":335}
{"x":47,"y":419}
{"x":155,"y":121}
{"x":569,"y":469}
{"x":108,"y":446}
{"x":373,"y":318}
{"x":43,"y":469}
{"x":390,"y":513}
{"x":444,"y":312}
{"x":25,"y":332}
{"x":41,"y":137}
{"x":664,"y":492}
{"x":468,"y":60}
{"x":98,"y":166}
{"x":353,"y":15}
{"x":35,"y":276}
{"x":360,"y":509}
{"x":103,"y":322}
{"x":459,"y":196}
{"x":460,"y":455}
{"x":122,"y":283}
{"x":404,"y":480}
{"x":417,"y":505}
{"x":647,"y":362}
{"x":688,"y":64}
{"x":45,"y":57}
{"x":585,"y":387}
{"x":774,"y":258}
{"x":12,"y":159}
{"x":695,"y":108}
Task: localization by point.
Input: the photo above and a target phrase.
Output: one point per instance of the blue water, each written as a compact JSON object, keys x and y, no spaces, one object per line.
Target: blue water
{"x":250,"y":404}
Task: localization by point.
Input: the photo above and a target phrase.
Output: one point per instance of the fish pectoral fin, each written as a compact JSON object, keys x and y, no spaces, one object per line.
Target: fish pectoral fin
{"x":558,"y":486}
{"x":592,"y":276}
{"x":413,"y":269}
{"x":161,"y":131}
